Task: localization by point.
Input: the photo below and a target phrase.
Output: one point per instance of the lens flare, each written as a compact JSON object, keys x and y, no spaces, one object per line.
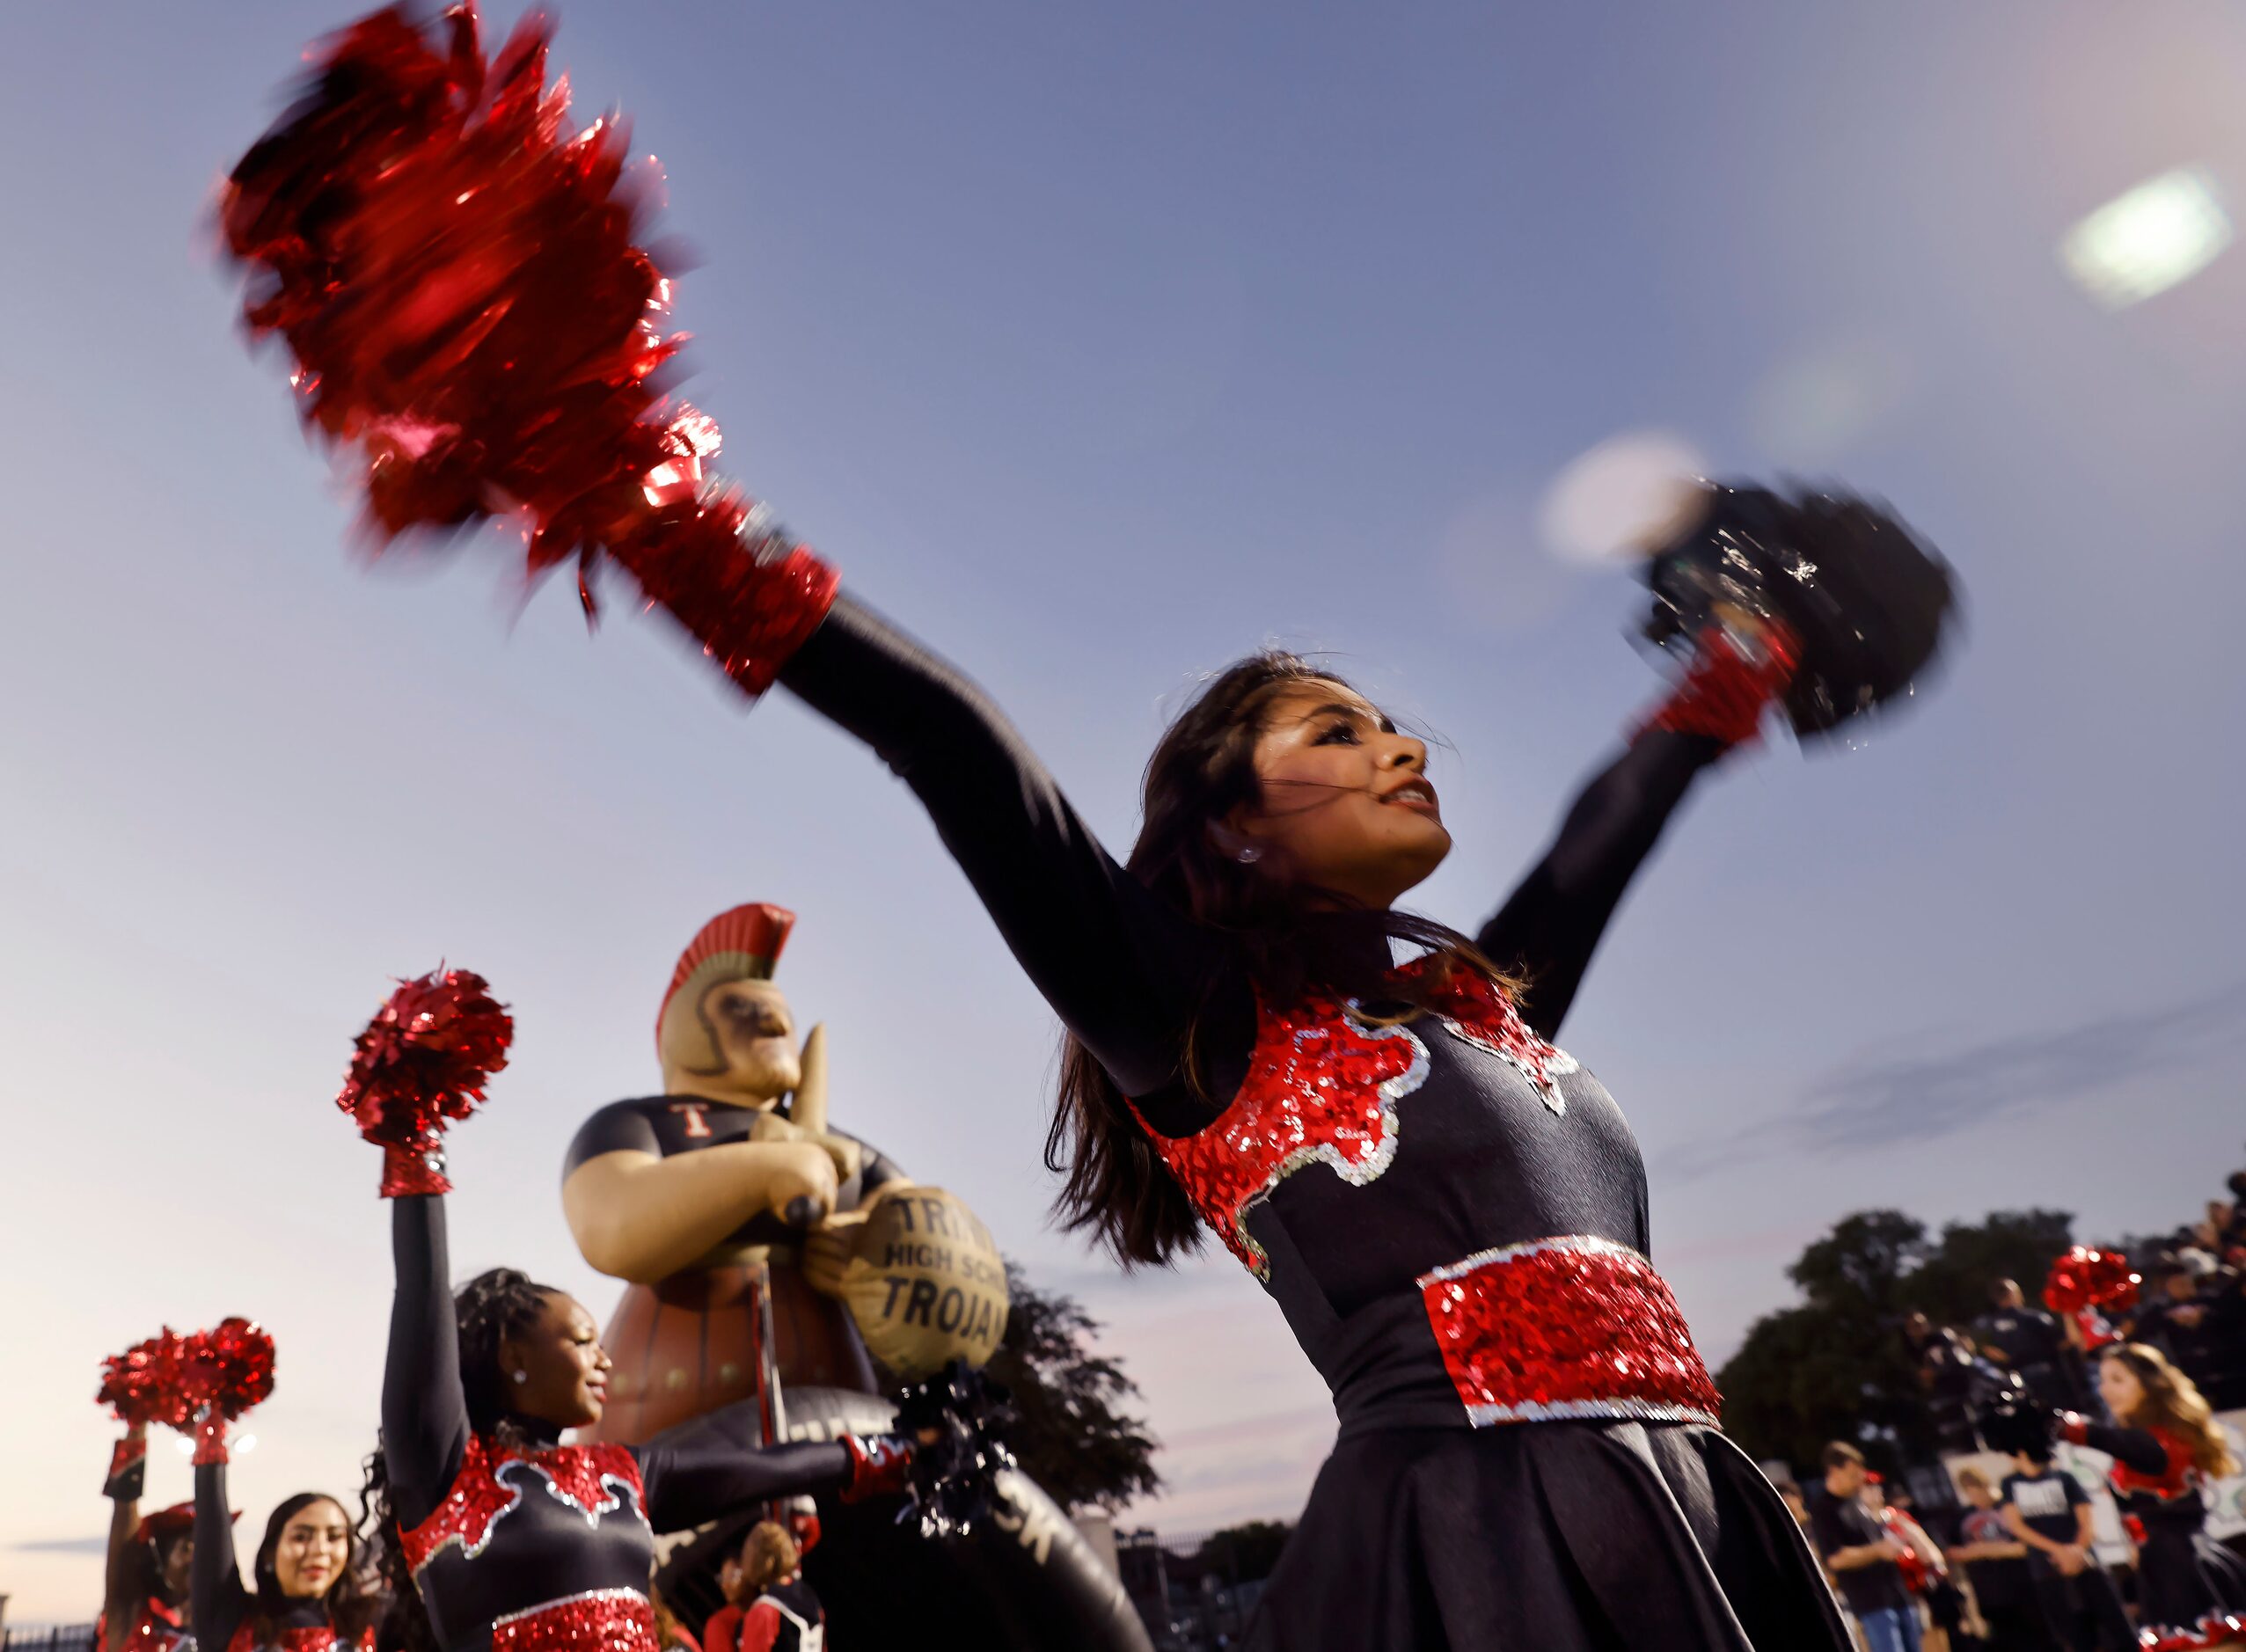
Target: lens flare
{"x":2165,"y":230}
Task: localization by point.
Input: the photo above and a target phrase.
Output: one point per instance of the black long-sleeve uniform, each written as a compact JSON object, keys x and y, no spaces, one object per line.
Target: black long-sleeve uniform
{"x":551,"y":1544}
{"x":1451,"y":1213}
{"x":2190,"y":1590}
{"x":224,"y":1618}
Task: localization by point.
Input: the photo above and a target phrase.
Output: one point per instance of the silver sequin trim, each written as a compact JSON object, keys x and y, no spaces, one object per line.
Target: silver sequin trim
{"x":1359,"y":1173}
{"x":569,"y":1600}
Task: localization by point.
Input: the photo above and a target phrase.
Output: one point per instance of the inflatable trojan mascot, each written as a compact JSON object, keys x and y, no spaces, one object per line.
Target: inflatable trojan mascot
{"x":770,"y":1261}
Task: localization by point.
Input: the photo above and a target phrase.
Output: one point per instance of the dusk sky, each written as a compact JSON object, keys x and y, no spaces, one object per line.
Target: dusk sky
{"x":1097,"y":346}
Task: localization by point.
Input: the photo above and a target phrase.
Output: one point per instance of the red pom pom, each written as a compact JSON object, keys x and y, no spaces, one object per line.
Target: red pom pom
{"x":142,"y":1385}
{"x":228,"y":1368}
{"x":2084,"y":1279}
{"x":473,"y":318}
{"x":424,"y":1059}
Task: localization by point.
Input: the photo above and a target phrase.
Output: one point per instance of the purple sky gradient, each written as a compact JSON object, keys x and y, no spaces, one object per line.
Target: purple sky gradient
{"x":1097,"y":348}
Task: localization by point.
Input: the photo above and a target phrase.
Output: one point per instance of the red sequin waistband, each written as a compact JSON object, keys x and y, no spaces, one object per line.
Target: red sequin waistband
{"x":599,"y":1620}
{"x":1571,"y":1326}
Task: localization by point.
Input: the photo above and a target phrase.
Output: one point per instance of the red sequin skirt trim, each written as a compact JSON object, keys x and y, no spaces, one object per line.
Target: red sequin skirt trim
{"x":1571,"y":1326}
{"x":2216,"y":1629}
{"x":599,"y":1620}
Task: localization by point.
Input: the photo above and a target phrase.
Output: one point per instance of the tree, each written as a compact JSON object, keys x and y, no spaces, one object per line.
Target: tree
{"x":1951,"y":1285}
{"x":1834,"y":1366}
{"x":1072,"y":1436}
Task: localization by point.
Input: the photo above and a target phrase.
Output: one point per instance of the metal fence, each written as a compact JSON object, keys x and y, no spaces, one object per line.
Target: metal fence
{"x":1190,"y":1592}
{"x":48,"y":1637}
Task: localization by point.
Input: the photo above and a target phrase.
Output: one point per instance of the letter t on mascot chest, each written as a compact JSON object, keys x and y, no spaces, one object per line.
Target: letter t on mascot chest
{"x":709,"y":1199}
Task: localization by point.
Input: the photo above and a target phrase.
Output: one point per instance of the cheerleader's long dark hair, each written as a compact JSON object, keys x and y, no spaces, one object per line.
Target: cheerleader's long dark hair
{"x":1287,"y":937}
{"x":351,"y":1601}
{"x":489,"y":1308}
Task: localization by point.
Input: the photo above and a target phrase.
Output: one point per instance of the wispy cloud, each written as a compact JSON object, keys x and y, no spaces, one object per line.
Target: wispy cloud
{"x":1920,"y":1098}
{"x":63,"y":1545}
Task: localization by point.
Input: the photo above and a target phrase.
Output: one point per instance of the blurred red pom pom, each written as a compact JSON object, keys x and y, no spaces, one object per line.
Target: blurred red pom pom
{"x":426,"y":1058}
{"x":475,"y":320}
{"x":143,"y":1384}
{"x":228,"y":1368}
{"x":2084,"y":1278}
{"x":461,"y":286}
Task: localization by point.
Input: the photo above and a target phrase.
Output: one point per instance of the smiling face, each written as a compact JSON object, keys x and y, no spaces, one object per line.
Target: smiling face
{"x":1345,"y":804}
{"x":315,"y":1546}
{"x":563,"y":1365}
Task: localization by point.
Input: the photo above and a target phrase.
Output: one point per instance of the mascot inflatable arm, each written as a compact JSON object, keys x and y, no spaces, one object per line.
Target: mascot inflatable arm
{"x":642,"y":1217}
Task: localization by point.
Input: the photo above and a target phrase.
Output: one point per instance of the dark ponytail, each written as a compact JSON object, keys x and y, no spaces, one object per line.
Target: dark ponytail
{"x":490,"y":1308}
{"x":1287,"y":942}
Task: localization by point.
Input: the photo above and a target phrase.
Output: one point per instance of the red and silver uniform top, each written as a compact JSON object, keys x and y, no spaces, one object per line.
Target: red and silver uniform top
{"x":517,"y":1521}
{"x":1466,"y":1123}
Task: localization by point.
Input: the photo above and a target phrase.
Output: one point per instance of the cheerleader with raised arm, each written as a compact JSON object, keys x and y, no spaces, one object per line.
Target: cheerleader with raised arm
{"x":2165,"y":1447}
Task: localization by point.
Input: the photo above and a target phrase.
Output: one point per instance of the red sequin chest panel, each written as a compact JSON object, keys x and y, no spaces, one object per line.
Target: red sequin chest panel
{"x":1572,"y":1326}
{"x":591,"y":1479}
{"x":2179,"y":1479}
{"x":599,"y":1620}
{"x":1322,"y":1085}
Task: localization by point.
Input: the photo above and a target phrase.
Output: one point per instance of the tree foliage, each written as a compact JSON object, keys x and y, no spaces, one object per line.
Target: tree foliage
{"x":1074,"y":1435}
{"x":1834,"y":1365}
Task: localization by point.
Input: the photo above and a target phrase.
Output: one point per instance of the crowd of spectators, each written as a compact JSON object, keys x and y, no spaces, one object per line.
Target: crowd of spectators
{"x":2191,"y":1306}
{"x":2011,"y":1566}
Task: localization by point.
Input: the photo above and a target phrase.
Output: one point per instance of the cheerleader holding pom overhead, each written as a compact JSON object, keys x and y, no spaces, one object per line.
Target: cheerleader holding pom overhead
{"x":1450,"y":1210}
{"x":307,"y":1592}
{"x":493,"y":1532}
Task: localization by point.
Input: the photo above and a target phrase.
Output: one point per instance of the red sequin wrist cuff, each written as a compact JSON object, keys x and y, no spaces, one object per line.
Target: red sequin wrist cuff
{"x":1732,"y":682}
{"x":410,"y":1171}
{"x":211,"y":1439}
{"x":878,"y":1468}
{"x":1570,"y":1326}
{"x":747,"y":593}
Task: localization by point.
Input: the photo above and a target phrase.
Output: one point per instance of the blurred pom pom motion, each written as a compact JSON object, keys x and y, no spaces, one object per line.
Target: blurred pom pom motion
{"x":477,"y":326}
{"x":1867,"y":602}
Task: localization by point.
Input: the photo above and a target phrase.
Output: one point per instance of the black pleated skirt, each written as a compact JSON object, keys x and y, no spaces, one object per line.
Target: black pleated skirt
{"x":2189,"y":1583}
{"x":1546,"y":1537}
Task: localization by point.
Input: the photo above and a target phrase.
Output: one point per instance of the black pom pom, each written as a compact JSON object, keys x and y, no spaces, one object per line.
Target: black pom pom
{"x":2008,"y":1417}
{"x":954,"y":1418}
{"x":1867,"y":599}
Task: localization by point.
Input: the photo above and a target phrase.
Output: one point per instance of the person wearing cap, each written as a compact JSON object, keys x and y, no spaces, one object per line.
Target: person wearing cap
{"x":150,"y":1560}
{"x":701,"y":1197}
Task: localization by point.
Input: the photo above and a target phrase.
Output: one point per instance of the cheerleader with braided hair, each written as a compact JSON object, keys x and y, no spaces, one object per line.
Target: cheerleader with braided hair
{"x":488,"y":1528}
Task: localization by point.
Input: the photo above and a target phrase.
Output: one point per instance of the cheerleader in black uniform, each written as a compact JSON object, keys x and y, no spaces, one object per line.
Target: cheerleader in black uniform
{"x":2190,"y":1590}
{"x":1449,"y":1209}
{"x":310,"y":1594}
{"x":146,"y":1580}
{"x":508,"y":1538}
